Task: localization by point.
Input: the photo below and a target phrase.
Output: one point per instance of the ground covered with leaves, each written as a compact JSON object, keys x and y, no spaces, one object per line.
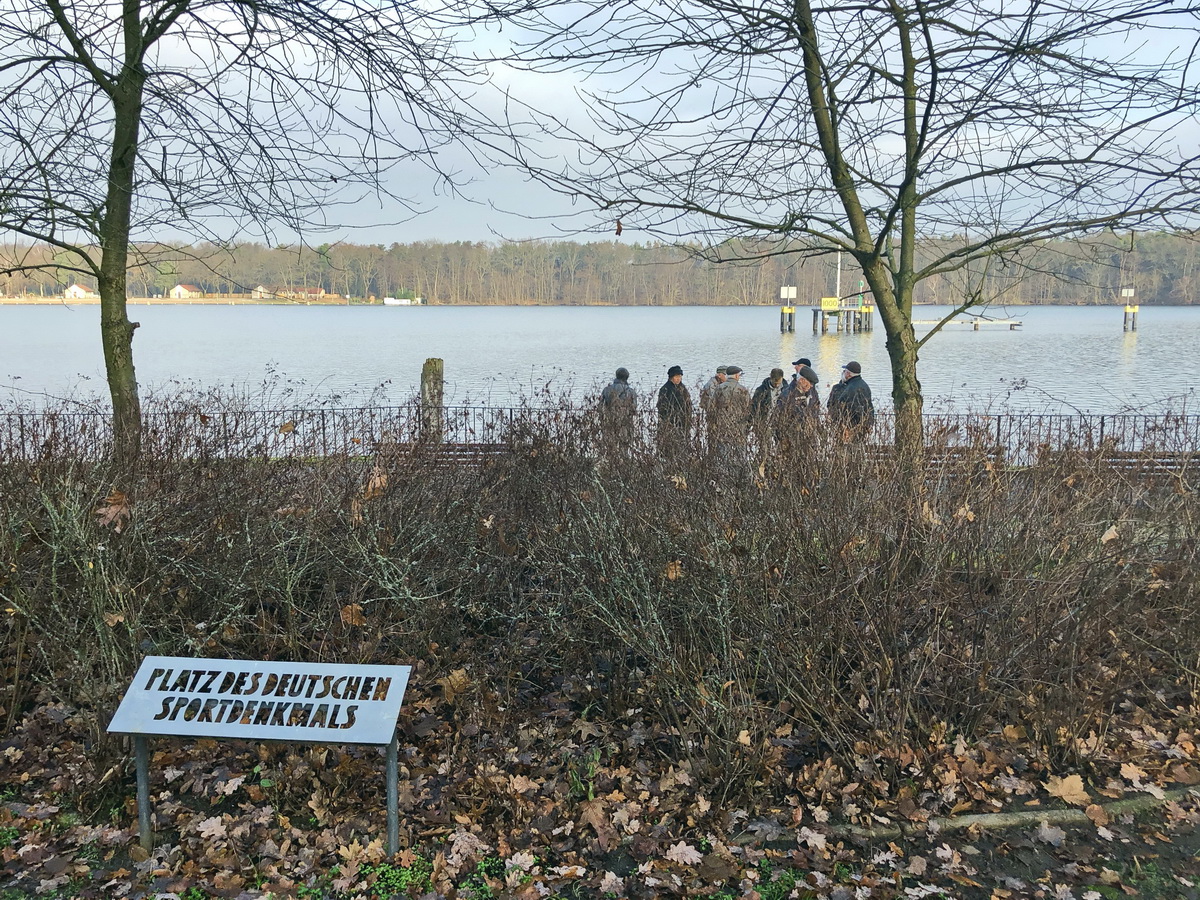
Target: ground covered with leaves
{"x":542,"y":801}
{"x":810,"y":672}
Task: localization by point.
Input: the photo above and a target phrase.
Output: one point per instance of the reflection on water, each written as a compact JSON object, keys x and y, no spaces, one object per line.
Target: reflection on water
{"x":1064,"y":359}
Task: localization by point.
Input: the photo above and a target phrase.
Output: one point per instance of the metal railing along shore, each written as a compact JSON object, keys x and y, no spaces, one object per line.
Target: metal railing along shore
{"x":191,"y":433}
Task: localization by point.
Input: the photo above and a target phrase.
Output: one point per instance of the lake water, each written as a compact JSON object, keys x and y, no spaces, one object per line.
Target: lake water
{"x":1063,"y":359}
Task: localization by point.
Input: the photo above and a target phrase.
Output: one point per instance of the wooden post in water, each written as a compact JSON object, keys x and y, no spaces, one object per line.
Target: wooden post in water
{"x":1131,"y":311}
{"x":432,"y":395}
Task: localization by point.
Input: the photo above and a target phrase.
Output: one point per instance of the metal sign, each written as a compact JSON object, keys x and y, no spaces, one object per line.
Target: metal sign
{"x":264,"y":701}
{"x":312,"y":702}
{"x":229,"y":698}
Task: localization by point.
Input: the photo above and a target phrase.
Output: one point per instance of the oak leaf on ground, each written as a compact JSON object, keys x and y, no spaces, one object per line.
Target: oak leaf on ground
{"x":1070,"y":789}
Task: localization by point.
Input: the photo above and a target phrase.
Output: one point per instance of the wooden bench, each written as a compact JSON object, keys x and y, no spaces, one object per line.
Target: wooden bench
{"x":952,"y":460}
{"x":446,"y":455}
{"x":1150,"y":463}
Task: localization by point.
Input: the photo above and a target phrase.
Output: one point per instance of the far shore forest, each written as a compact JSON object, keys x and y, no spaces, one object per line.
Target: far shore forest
{"x":1163,"y":268}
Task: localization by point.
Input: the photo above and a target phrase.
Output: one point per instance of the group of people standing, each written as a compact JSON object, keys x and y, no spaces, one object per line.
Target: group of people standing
{"x":731,"y":410}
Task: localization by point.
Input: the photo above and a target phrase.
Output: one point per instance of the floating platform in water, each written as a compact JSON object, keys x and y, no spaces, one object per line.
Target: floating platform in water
{"x":975,"y":322}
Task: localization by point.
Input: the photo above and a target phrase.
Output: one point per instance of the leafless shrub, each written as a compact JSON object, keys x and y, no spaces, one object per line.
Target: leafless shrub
{"x":795,"y":599}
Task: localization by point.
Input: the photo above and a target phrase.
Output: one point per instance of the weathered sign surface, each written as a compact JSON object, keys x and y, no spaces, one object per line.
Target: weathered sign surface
{"x":315,"y":702}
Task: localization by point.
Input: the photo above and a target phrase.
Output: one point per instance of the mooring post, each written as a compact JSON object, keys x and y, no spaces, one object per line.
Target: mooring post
{"x":393,"y":798}
{"x":1131,"y":311}
{"x":432,"y":395}
{"x":141,"y":760}
{"x":816,"y":314}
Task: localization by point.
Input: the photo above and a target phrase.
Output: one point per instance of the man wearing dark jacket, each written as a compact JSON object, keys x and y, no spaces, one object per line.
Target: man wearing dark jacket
{"x":797,"y":365}
{"x":674,"y":413}
{"x":766,"y":395}
{"x":850,"y":403}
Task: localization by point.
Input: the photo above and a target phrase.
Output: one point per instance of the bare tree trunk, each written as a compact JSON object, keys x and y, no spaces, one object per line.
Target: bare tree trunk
{"x":907,"y":398}
{"x":116,"y":331}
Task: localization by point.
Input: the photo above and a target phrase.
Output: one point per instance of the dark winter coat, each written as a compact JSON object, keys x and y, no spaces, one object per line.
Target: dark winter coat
{"x":850,"y":403}
{"x":675,"y":406}
{"x":765,"y":397}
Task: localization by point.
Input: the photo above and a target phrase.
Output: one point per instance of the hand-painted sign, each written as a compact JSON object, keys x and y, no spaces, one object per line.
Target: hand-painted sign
{"x":317,"y":702}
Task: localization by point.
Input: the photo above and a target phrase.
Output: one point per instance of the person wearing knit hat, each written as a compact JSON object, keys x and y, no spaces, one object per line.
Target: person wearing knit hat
{"x":674,"y":413}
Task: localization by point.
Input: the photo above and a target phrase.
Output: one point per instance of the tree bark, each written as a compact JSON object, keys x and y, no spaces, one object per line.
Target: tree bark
{"x":116,"y":331}
{"x":907,"y":399}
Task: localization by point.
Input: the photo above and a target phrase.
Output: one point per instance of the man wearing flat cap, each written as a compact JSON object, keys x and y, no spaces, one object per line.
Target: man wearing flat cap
{"x":850,"y":403}
{"x":710,"y":388}
{"x":729,"y":418}
{"x":801,"y":404}
{"x":790,"y":386}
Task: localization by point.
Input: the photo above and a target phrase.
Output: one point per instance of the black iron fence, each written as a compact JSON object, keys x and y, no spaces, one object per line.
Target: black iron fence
{"x":189,"y":433}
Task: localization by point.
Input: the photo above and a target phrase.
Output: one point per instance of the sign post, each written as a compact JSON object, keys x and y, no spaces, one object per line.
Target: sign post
{"x":324,"y":703}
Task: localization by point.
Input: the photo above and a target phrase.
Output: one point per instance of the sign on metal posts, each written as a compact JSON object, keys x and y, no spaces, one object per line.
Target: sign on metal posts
{"x":257,"y":700}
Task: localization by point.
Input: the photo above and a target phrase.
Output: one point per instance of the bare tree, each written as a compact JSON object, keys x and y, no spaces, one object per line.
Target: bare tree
{"x":125,"y":123}
{"x":872,"y":126}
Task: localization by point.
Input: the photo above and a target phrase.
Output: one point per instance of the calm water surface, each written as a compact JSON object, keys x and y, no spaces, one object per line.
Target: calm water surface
{"x":1064,"y":359}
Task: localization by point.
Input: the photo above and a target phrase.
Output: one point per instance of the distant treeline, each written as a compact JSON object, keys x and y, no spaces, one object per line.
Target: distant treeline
{"x":1162,"y":267}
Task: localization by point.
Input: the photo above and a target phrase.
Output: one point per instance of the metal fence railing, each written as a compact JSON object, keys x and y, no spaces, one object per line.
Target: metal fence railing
{"x":189,"y":433}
